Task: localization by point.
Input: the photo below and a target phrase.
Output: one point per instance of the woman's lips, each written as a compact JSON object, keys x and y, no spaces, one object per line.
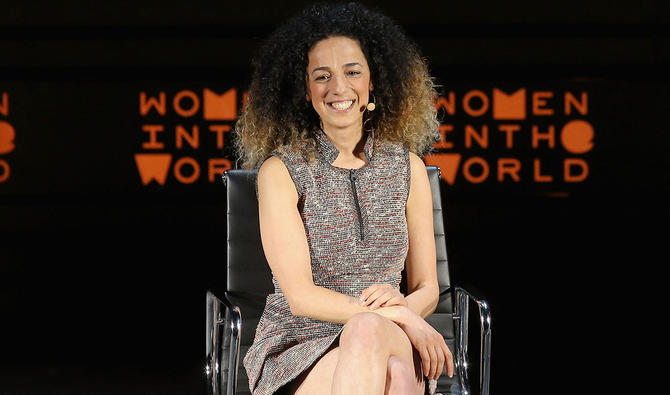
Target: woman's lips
{"x":342,"y":105}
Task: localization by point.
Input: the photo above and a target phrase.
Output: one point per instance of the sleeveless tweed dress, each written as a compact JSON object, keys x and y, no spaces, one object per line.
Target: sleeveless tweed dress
{"x":357,"y":234}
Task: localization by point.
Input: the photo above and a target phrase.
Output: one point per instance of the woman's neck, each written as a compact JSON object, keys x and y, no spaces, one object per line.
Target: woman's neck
{"x":350,"y":143}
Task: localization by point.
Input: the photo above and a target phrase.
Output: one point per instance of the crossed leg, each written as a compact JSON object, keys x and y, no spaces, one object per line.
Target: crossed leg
{"x":374,"y":357}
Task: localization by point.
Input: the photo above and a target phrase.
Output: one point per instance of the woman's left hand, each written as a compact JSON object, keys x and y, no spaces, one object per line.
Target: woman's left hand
{"x":382,"y":295}
{"x":434,"y":352}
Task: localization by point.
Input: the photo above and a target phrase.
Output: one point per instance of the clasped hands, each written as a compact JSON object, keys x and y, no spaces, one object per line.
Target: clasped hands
{"x":426,"y":340}
{"x":382,"y":295}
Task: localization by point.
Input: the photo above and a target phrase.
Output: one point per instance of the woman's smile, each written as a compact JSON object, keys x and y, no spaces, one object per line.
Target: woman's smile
{"x":345,"y":105}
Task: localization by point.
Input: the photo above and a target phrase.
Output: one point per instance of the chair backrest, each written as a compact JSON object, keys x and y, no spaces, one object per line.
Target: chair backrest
{"x":249,"y":273}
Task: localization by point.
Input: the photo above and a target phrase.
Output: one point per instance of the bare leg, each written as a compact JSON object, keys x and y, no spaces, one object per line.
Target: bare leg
{"x":318,"y":379}
{"x":373,"y":354}
{"x":404,"y":379}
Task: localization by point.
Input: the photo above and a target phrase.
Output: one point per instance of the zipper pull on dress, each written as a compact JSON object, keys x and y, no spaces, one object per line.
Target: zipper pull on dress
{"x":353,"y":177}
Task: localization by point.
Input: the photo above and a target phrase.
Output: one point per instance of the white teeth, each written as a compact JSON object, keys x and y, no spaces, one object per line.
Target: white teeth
{"x":342,"y":105}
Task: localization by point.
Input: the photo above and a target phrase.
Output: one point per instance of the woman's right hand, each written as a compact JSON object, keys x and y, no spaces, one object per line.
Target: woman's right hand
{"x":429,"y":343}
{"x":382,"y":295}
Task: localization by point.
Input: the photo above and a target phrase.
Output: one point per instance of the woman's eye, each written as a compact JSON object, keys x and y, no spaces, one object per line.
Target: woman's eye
{"x":353,"y":73}
{"x":324,"y":77}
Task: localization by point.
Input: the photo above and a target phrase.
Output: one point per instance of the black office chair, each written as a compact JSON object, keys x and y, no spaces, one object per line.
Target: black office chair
{"x":233,"y":312}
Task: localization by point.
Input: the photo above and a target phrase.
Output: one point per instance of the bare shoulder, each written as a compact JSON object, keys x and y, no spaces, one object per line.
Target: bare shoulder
{"x":274,"y":176}
{"x":416,"y":163}
{"x":271,"y":170}
{"x":419,"y":187}
{"x":418,"y":168}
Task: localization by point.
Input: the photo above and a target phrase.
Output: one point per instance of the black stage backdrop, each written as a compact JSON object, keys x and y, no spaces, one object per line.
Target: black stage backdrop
{"x":115,"y":121}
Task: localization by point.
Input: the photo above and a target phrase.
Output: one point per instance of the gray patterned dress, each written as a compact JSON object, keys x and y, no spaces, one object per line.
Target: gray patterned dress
{"x":357,"y":235}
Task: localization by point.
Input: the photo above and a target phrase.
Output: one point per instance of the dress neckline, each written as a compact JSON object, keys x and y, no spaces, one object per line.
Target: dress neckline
{"x":328,"y":153}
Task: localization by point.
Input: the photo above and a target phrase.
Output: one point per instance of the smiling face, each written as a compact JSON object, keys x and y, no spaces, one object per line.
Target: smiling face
{"x":338,"y":83}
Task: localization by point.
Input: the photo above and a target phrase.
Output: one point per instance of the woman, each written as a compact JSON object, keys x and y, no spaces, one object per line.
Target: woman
{"x":339,"y":108}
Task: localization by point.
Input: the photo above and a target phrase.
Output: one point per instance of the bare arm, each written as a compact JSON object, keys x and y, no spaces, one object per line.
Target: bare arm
{"x":422,"y":286}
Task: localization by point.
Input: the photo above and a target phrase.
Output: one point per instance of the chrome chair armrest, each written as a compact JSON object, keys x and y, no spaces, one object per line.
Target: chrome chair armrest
{"x":216,"y":316}
{"x":464,"y":294}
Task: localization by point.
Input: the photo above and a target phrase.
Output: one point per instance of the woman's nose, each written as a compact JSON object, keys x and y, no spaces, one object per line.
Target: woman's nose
{"x":339,"y":85}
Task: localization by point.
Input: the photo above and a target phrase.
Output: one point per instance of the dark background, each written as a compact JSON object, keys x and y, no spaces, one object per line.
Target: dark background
{"x":103,"y":279}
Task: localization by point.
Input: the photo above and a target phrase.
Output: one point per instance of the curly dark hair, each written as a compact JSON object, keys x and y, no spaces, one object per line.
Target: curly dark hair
{"x":277,"y":112}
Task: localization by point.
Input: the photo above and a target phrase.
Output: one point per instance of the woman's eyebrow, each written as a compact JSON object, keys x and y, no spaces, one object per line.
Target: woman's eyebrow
{"x":325,"y":68}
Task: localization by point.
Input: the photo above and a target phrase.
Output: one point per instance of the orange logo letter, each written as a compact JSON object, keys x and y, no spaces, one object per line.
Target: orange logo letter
{"x":153,"y":167}
{"x":7,"y":135}
{"x":582,"y":107}
{"x":509,"y":106}
{"x":537,"y":172}
{"x":176,"y":103}
{"x":575,"y":162}
{"x":145,"y":105}
{"x":152,"y":143}
{"x":220,"y":107}
{"x":193,"y":139}
{"x":468,"y":175}
{"x":549,"y":136}
{"x":4,"y":174}
{"x":509,"y":131}
{"x":448,"y":164}
{"x":577,"y":136}
{"x":448,"y":105}
{"x":219,"y":130}
{"x":4,"y":106}
{"x":443,"y":143}
{"x":466,"y":103}
{"x":482,"y":139}
{"x":509,"y":166}
{"x":217,"y":166}
{"x":539,"y":102}
{"x":186,"y":179}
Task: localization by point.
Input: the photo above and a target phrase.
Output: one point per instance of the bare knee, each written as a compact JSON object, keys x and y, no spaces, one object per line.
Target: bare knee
{"x":364,"y":330}
{"x":398,"y":368}
{"x":401,"y":378}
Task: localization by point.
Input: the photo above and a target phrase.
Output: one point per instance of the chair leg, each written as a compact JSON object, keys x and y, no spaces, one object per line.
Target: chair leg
{"x":463,"y":296}
{"x":221,"y":313}
{"x":213,"y":368}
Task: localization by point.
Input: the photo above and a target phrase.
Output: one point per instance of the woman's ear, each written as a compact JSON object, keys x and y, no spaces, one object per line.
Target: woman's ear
{"x":372,"y":87}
